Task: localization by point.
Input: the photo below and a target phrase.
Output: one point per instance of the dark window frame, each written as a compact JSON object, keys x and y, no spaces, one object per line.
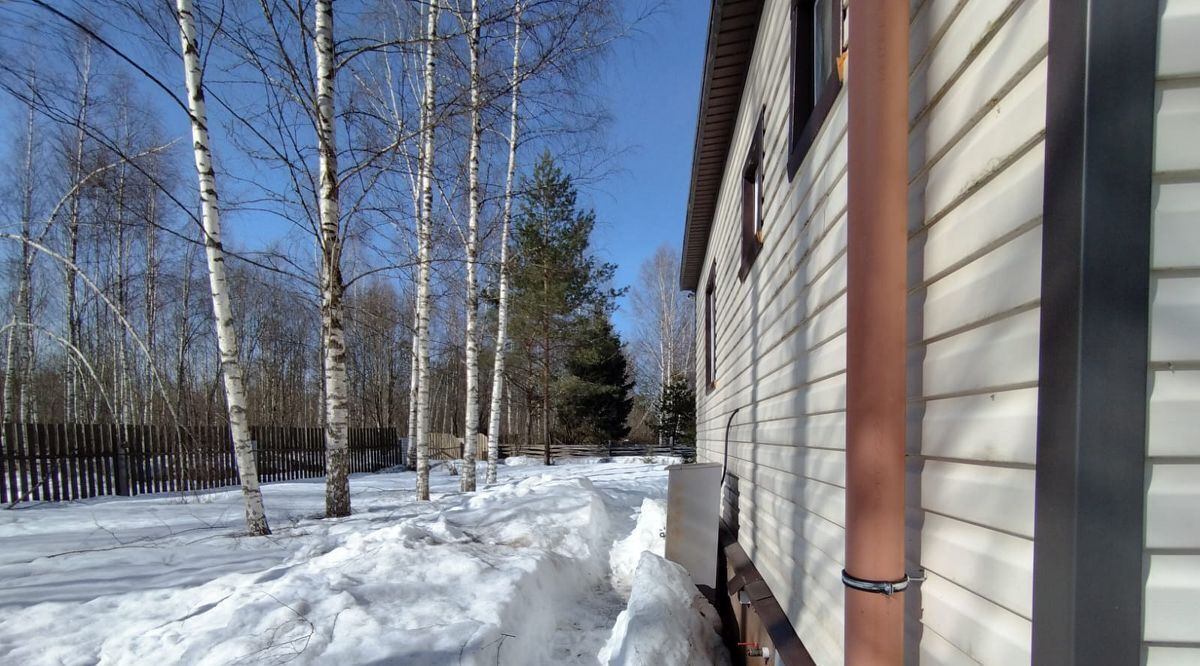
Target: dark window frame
{"x":809,"y":109}
{"x":753,"y":198}
{"x":710,"y":330}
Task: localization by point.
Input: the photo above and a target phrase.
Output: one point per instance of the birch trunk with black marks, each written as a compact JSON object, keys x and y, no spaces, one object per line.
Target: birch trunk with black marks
{"x":121,"y":386}
{"x":227,"y":344}
{"x":28,"y":406}
{"x":498,"y":387}
{"x":471,"y":425}
{"x":71,"y":370}
{"x":411,"y":452}
{"x":18,"y":368}
{"x":151,"y":307}
{"x":14,"y":339}
{"x":337,"y":437}
{"x":425,"y":252}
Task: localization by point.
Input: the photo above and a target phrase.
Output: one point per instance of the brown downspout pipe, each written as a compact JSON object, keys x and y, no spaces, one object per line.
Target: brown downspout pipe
{"x":875,"y":356}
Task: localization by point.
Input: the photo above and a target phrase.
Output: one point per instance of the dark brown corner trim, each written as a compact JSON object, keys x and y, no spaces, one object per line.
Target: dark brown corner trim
{"x":732,"y":31}
{"x":1089,"y":508}
{"x":788,"y":646}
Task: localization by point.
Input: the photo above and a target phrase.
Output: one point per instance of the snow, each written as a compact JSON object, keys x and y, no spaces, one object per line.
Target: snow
{"x":522,"y":572}
{"x":648,"y":535}
{"x":668,"y":621}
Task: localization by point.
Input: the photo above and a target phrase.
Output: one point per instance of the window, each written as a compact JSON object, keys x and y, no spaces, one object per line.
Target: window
{"x":752,"y":200}
{"x":710,"y":329}
{"x":816,"y":45}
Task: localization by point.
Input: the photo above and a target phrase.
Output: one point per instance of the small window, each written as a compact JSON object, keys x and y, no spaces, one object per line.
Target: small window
{"x":710,"y":329}
{"x":753,"y":225}
{"x":816,"y":46}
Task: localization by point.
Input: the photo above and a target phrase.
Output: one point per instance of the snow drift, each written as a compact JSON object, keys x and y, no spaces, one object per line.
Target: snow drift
{"x":667,"y":621}
{"x":514,"y":574}
{"x":647,"y":535}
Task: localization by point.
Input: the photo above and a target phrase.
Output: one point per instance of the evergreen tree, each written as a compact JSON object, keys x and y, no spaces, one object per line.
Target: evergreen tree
{"x":675,"y":413}
{"x":595,"y":397}
{"x":556,"y":281}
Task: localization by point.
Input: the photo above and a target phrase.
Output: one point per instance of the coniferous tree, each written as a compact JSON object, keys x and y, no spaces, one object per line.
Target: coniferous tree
{"x":556,"y":281}
{"x":675,"y":414}
{"x":595,"y":396}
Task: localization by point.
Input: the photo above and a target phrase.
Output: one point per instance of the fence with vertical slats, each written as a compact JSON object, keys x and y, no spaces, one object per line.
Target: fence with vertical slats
{"x":57,"y":462}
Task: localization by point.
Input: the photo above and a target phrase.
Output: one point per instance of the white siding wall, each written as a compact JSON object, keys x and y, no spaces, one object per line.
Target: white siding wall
{"x":977,"y":95}
{"x":1172,"y":601}
{"x":977,"y":123}
{"x":781,"y":353}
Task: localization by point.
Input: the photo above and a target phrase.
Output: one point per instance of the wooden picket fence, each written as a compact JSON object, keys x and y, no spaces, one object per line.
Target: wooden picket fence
{"x":445,"y":446}
{"x":57,"y":462}
{"x":572,"y":450}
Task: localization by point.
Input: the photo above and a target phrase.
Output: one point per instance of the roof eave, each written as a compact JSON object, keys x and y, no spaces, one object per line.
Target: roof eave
{"x":732,"y":31}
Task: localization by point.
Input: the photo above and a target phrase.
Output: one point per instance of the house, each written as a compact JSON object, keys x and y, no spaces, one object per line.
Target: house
{"x":946,"y":257}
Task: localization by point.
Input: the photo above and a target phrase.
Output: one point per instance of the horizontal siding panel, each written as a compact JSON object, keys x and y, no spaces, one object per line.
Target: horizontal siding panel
{"x":1013,"y":51}
{"x":998,"y":137}
{"x":823,"y":499}
{"x":760,"y":531}
{"x":997,"y":497}
{"x":1176,"y":141}
{"x":986,"y":632}
{"x":929,"y":22}
{"x":1178,"y":48}
{"x":1173,"y":599}
{"x":996,"y":566}
{"x":970,"y":294}
{"x":999,"y":354}
{"x":1162,"y":655}
{"x":819,"y":464}
{"x":827,"y":538}
{"x":1009,"y":201}
{"x":747,"y":330}
{"x":827,"y":431}
{"x":818,"y":622}
{"x":1174,"y":413}
{"x":952,"y":50}
{"x":937,"y":651}
{"x":997,"y":427}
{"x":1177,"y":224}
{"x":824,"y":396}
{"x":1173,"y":507}
{"x":1175,"y":318}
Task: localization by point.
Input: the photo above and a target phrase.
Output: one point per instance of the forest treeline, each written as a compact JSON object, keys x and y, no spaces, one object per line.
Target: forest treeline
{"x":280,"y":213}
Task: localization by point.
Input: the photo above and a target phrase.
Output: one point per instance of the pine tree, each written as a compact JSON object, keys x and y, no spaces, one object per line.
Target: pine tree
{"x":675,"y":414}
{"x":595,"y":396}
{"x":556,"y":281}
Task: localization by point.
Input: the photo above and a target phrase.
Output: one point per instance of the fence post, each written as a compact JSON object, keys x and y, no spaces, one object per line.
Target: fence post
{"x":121,"y":466}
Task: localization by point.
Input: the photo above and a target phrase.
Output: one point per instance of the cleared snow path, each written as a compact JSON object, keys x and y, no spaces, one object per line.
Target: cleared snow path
{"x":517,"y":573}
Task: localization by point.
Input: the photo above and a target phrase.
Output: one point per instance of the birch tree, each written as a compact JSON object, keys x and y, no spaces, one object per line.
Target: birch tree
{"x":71,"y":379}
{"x":498,"y":387}
{"x":413,"y":384}
{"x":337,"y":437}
{"x":256,"y":519}
{"x":471,"y":429}
{"x":664,"y":321}
{"x":19,"y":356}
{"x":425,"y":250}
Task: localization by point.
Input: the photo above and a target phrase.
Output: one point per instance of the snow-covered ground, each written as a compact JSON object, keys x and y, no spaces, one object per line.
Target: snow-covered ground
{"x":519,"y":573}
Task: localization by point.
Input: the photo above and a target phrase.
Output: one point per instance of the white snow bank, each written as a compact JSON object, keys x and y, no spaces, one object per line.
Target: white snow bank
{"x":486,"y":578}
{"x":647,"y":535}
{"x":667,"y":621}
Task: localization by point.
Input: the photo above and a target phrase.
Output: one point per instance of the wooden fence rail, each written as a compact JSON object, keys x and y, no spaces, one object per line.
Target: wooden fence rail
{"x":57,"y":462}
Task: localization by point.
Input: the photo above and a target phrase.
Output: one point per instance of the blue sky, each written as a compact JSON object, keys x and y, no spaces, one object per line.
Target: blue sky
{"x":651,"y":83}
{"x":653,"y":86}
